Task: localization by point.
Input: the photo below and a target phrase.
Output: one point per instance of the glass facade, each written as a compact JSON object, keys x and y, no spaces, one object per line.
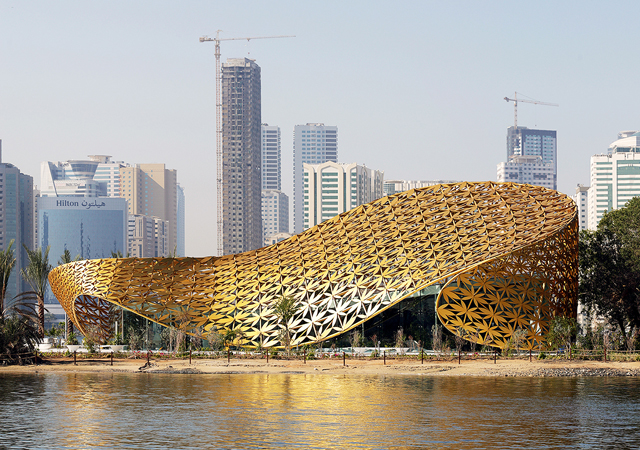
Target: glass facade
{"x":16,"y":222}
{"x":522,"y":141}
{"x":89,"y":231}
{"x":90,"y":228}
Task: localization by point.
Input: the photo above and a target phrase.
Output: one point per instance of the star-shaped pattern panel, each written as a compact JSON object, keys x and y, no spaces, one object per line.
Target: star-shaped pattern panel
{"x":355,"y":265}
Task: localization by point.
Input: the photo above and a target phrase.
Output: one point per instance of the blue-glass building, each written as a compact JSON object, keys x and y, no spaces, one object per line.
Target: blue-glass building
{"x":16,"y":221}
{"x":89,"y":227}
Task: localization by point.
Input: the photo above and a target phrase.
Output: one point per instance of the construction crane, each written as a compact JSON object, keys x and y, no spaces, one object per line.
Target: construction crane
{"x":217,"y":41}
{"x":515,"y":101}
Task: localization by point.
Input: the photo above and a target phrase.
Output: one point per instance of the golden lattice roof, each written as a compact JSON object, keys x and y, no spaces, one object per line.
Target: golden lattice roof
{"x":505,"y":255}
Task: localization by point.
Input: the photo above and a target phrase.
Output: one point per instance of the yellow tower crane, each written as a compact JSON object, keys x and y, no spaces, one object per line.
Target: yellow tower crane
{"x":217,"y":41}
{"x":515,"y":101}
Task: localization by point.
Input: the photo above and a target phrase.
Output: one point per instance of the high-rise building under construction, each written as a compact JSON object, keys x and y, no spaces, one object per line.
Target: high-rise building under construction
{"x":241,"y":156}
{"x":532,"y":157}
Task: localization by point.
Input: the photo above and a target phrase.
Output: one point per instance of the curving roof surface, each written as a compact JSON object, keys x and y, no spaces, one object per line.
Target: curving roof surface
{"x":505,"y":255}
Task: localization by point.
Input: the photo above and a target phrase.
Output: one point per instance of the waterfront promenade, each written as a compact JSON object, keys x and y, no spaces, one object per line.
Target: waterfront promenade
{"x":336,"y":366}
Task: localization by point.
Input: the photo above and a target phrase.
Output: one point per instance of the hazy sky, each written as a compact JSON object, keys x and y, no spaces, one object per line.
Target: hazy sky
{"x":415,"y":88}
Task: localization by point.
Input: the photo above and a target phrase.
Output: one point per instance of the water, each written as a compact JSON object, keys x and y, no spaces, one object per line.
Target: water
{"x":158,"y":411}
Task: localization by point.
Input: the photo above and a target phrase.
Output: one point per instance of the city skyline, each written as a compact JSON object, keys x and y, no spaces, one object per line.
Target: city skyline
{"x":132,"y":88}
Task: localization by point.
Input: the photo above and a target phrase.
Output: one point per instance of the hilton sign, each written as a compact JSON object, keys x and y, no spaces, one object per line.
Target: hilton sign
{"x":84,"y":203}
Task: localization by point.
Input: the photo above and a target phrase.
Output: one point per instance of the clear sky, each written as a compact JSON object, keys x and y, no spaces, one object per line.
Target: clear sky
{"x":416,"y":88}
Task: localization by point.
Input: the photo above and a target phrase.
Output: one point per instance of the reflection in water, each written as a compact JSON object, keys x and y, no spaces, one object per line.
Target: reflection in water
{"x":316,"y":411}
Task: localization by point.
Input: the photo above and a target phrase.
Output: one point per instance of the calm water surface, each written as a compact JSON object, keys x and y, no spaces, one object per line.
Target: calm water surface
{"x":157,"y":411}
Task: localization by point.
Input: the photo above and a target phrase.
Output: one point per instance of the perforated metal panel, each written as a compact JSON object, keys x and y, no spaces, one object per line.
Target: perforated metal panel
{"x":505,"y":254}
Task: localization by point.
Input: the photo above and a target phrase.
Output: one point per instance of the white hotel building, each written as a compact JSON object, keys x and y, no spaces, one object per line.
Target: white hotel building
{"x":313,"y":143}
{"x":615,"y":177}
{"x":527,"y":170}
{"x":396,"y":186}
{"x":581,"y":198}
{"x":275,"y":203}
{"x":333,"y":188}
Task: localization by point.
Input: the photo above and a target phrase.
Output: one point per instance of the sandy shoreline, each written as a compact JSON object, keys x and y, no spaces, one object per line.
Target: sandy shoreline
{"x":503,"y":368}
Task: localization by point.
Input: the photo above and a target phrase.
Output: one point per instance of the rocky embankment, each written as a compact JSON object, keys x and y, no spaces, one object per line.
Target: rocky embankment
{"x":566,"y":372}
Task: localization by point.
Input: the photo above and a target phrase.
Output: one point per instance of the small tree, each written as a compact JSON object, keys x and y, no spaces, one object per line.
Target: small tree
{"x":355,"y":338}
{"x":436,"y":333}
{"x":630,"y":342}
{"x":18,"y":328}
{"x":562,"y":331}
{"x":606,"y":339}
{"x":179,"y":339}
{"x":7,"y":263}
{"x":135,"y":339}
{"x":285,"y":308}
{"x":72,"y":339}
{"x":92,"y":338}
{"x":460,"y":337}
{"x":473,"y":340}
{"x":215,"y":340}
{"x":375,"y":341}
{"x":57,"y":333}
{"x":18,"y":335}
{"x":518,"y":337}
{"x":233,"y":337}
{"x":66,"y":258}
{"x":37,"y":275}
{"x":400,"y":338}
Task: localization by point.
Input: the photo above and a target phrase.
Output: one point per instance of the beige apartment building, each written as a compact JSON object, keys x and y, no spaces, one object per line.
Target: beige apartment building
{"x":150,"y":189}
{"x":147,"y":236}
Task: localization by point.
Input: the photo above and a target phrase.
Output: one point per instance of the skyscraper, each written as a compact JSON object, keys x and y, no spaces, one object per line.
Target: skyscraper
{"x":313,"y":143}
{"x":147,"y":236}
{"x":241,"y":157}
{"x":16,"y":221}
{"x":108,"y":174}
{"x":615,"y":176}
{"x":275,"y":213}
{"x":271,"y":158}
{"x":581,"y":198}
{"x":74,"y":178}
{"x":275,"y":203}
{"x":74,"y":213}
{"x":527,"y":170}
{"x":151,"y":190}
{"x":333,"y":188}
{"x":96,"y":177}
{"x":181,"y":214}
{"x":522,"y":141}
{"x":88,"y":227}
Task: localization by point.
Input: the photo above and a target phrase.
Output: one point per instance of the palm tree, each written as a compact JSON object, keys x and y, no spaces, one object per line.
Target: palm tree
{"x":7,"y":263}
{"x":18,"y":335}
{"x":65,"y":258}
{"x":18,"y":329}
{"x":37,"y":275}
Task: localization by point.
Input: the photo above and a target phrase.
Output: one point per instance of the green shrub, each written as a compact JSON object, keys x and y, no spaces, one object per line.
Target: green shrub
{"x":116,"y":340}
{"x":72,"y":339}
{"x":18,"y":335}
{"x":89,"y":344}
